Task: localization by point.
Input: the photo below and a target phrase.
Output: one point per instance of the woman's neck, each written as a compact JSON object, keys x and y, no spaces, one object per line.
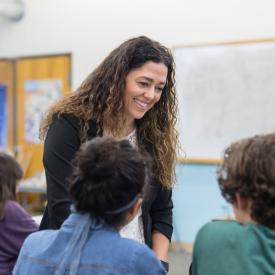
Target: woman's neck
{"x":128,"y":128}
{"x":127,"y":131}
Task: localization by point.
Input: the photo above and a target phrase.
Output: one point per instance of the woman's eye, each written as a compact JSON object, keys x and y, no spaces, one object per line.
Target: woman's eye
{"x":143,"y":84}
{"x":159,"y":89}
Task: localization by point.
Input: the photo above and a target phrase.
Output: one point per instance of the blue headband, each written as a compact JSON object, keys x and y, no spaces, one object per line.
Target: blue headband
{"x":125,"y":207}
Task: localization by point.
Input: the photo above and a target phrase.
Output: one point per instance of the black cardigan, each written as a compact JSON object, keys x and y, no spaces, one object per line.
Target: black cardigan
{"x":61,"y":143}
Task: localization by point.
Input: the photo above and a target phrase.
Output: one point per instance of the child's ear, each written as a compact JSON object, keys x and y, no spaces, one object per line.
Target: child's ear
{"x":135,"y":208}
{"x":242,"y":203}
{"x":133,"y":211}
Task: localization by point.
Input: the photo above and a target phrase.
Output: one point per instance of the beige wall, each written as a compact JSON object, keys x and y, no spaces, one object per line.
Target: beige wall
{"x":89,"y":29}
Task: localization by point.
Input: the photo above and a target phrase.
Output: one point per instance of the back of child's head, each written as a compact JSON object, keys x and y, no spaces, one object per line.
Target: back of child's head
{"x":10,"y":173}
{"x":249,"y":169}
{"x":107,"y":175}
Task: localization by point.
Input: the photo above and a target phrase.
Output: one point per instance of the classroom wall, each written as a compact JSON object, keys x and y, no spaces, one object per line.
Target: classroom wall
{"x":89,"y":29}
{"x":197,"y":200}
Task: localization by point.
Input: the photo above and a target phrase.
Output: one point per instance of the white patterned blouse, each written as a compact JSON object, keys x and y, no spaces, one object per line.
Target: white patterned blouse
{"x":134,"y":229}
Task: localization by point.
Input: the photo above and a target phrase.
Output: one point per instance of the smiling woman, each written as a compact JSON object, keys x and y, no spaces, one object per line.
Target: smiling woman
{"x":131,"y":94}
{"x":143,"y":89}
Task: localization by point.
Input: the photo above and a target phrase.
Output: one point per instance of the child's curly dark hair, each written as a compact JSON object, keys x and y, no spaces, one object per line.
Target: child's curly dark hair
{"x":249,"y":169}
{"x":107,"y":175}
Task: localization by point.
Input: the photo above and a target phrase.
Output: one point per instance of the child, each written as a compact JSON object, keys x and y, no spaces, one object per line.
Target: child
{"x":107,"y":188}
{"x":246,"y":246}
{"x":15,"y":223}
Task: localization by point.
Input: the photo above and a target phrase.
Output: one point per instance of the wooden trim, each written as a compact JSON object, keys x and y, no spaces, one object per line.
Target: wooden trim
{"x":14,"y":103}
{"x":198,"y":160}
{"x":43,"y":56}
{"x":5,"y":59}
{"x":7,"y":78}
{"x":220,"y":43}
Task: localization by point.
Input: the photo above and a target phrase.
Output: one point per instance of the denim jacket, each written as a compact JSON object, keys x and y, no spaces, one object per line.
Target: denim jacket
{"x":85,"y":246}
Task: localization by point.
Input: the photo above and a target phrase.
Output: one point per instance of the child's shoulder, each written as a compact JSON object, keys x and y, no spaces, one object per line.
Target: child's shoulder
{"x":144,"y":260}
{"x":220,"y":231}
{"x":134,"y":248}
{"x":133,"y":245}
{"x":39,"y":239}
{"x":10,"y":204}
{"x":221,"y":225}
{"x":14,"y":208}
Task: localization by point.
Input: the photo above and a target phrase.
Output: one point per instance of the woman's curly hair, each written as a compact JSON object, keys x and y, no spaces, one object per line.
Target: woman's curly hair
{"x":100,"y":99}
{"x":249,"y":169}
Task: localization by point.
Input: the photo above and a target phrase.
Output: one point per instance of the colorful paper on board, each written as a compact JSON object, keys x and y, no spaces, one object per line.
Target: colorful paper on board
{"x":39,"y":95}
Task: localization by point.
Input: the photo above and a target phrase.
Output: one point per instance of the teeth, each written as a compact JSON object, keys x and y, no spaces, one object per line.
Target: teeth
{"x":140,"y":103}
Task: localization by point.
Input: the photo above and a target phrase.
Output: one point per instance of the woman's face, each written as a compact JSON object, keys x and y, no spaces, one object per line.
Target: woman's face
{"x":143,"y":89}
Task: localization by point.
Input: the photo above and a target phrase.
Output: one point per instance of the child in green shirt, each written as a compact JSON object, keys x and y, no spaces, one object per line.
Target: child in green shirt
{"x":245,"y":246}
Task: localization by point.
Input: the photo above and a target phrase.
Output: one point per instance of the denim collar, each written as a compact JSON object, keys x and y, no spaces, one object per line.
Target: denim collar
{"x":83,"y":224}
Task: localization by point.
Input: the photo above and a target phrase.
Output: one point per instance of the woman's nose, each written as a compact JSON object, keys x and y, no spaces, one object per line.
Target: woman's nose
{"x":150,"y":93}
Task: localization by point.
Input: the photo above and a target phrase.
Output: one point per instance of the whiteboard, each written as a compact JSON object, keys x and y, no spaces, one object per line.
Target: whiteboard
{"x":225,"y":92}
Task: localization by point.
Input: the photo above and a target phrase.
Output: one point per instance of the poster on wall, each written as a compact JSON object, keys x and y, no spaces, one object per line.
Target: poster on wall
{"x":39,"y":95}
{"x":3,"y":117}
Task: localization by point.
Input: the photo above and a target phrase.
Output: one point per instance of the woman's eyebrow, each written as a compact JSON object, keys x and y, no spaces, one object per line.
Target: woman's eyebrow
{"x":151,"y":80}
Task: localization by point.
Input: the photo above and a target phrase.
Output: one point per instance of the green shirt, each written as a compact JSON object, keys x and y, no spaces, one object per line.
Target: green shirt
{"x":230,"y":248}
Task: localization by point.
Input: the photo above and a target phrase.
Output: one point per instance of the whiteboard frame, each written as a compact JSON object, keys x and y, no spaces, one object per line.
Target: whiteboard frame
{"x":191,"y":160}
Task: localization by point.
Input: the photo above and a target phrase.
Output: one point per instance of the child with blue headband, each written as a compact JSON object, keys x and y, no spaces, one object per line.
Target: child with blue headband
{"x":106,"y":186}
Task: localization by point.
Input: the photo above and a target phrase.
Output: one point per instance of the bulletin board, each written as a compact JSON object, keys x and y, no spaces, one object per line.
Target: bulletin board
{"x":226,"y":91}
{"x":41,"y":80}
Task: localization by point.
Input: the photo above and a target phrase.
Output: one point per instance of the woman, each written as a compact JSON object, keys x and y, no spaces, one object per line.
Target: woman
{"x":15,"y":223}
{"x":107,"y":187}
{"x":130,"y":94}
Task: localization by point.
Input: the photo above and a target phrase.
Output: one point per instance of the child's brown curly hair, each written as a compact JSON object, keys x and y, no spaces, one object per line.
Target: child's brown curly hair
{"x":249,"y":169}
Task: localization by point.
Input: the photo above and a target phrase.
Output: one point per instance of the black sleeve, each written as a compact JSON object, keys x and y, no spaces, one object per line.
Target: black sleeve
{"x":162,"y":212}
{"x":61,"y":143}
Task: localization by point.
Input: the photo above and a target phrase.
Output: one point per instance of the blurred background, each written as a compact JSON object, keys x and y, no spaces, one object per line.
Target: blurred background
{"x":47,"y":48}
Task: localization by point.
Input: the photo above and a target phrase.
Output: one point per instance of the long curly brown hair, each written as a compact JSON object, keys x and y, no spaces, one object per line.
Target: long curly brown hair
{"x":100,"y":99}
{"x":249,"y":169}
